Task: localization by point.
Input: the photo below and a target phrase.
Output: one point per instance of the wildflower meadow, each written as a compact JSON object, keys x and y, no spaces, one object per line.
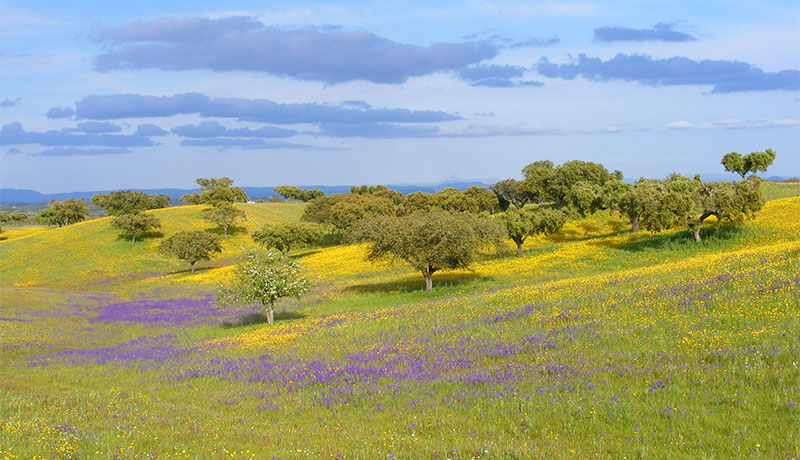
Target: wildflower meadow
{"x":598,"y":343}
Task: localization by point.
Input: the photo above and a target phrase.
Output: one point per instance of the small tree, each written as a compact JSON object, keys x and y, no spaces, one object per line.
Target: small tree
{"x":17,"y":217}
{"x":690,"y":202}
{"x":224,"y":215}
{"x":753,"y":162}
{"x":520,"y":225}
{"x":487,"y":201}
{"x":428,"y":241}
{"x":215,"y":190}
{"x":191,"y":246}
{"x":291,"y":192}
{"x":64,"y":212}
{"x":355,"y":207}
{"x":134,"y":225}
{"x":288,"y":235}
{"x":452,"y":199}
{"x":510,"y":191}
{"x":265,"y":277}
{"x":128,"y":202}
{"x":638,"y":199}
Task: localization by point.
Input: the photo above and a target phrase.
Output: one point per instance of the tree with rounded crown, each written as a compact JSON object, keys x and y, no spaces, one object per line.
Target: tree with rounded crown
{"x":508,"y":192}
{"x":265,"y":277}
{"x":215,"y":190}
{"x":17,"y":217}
{"x":124,"y":202}
{"x":134,"y":225}
{"x":487,"y":201}
{"x":288,"y":235}
{"x":191,"y":246}
{"x":688,"y":201}
{"x":639,"y":199}
{"x":520,"y":225}
{"x":753,"y":162}
{"x":428,"y":241}
{"x":64,"y":212}
{"x":224,"y":215}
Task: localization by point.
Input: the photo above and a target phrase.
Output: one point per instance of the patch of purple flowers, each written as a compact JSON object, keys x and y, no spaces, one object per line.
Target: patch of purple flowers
{"x":173,"y":312}
{"x":155,"y":349}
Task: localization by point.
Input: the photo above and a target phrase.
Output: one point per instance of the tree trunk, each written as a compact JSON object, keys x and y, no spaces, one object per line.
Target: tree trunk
{"x":226,"y":231}
{"x":635,"y":223}
{"x":133,"y":240}
{"x":519,"y":249}
{"x":697,"y":237}
{"x":191,"y":264}
{"x":270,"y":313}
{"x":428,"y":281}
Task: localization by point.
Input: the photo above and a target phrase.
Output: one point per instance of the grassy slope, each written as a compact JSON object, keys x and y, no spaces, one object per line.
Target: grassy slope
{"x":650,"y":346}
{"x":92,"y":250}
{"x":778,"y":190}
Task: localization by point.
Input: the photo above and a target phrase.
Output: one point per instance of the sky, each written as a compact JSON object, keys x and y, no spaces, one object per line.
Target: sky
{"x":146,"y":94}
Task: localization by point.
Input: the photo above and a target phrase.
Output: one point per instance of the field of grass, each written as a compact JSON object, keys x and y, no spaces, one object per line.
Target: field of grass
{"x":778,"y":190}
{"x":597,"y":344}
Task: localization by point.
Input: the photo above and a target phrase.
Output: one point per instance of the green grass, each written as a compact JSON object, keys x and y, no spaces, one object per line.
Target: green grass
{"x":93,"y":250}
{"x":778,"y":190}
{"x":594,"y":346}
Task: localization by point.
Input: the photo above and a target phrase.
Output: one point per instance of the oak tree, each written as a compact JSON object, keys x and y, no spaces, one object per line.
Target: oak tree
{"x":191,"y":246}
{"x":134,"y":225}
{"x":288,"y":235}
{"x":224,"y":214}
{"x":428,"y":241}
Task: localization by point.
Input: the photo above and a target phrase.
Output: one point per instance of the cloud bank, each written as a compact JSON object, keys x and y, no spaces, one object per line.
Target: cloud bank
{"x":69,"y":152}
{"x":208,"y":129}
{"x":723,"y":76}
{"x":14,"y":134}
{"x":117,"y":106}
{"x":246,"y":44}
{"x":97,"y":127}
{"x":662,"y":31}
{"x":148,"y":129}
{"x":495,"y":76}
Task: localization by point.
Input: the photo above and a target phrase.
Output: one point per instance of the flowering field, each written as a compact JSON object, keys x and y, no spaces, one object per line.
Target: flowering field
{"x":597,"y":344}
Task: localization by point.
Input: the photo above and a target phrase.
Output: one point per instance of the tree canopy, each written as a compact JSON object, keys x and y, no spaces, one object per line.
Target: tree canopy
{"x":520,"y":225}
{"x":508,"y":192}
{"x":191,"y":246}
{"x":639,"y":199}
{"x":265,"y":277}
{"x":344,"y":210}
{"x":428,"y":241}
{"x":215,"y":190}
{"x":753,"y":162}
{"x":15,"y":217}
{"x":291,"y":192}
{"x":224,"y":214}
{"x":288,"y":235}
{"x":135,"y":225}
{"x":129,"y":202}
{"x":65,"y":212}
{"x":688,"y":201}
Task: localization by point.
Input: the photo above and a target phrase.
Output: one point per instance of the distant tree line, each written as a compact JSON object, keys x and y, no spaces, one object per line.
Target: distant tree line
{"x":437,"y":231}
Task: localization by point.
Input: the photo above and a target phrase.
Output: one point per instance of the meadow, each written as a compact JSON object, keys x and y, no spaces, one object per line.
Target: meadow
{"x":598,"y":343}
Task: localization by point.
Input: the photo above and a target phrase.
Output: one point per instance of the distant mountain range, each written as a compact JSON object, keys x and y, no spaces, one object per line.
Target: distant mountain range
{"x":14,"y":196}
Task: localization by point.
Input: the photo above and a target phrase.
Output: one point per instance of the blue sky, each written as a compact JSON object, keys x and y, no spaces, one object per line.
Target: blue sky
{"x":95,"y":96}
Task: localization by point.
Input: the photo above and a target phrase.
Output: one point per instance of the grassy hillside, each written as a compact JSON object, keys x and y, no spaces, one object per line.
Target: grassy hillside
{"x":93,"y":250}
{"x":778,"y":190}
{"x":597,"y":344}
